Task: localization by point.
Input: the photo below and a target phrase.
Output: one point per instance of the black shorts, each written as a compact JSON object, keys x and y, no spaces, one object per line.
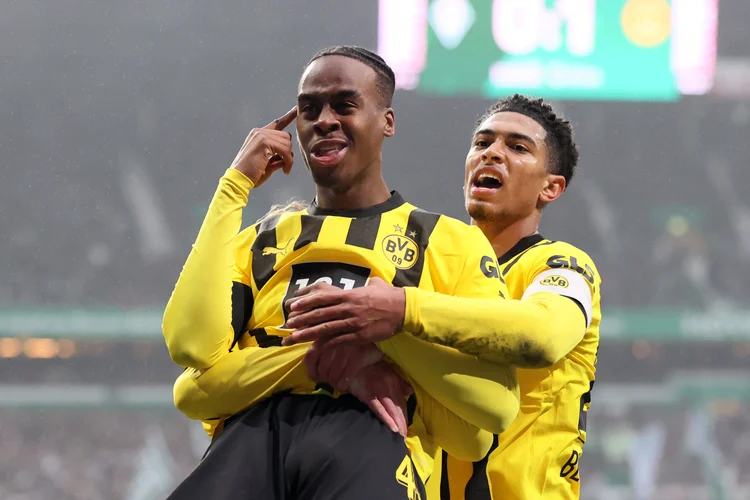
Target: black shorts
{"x":304,"y":447}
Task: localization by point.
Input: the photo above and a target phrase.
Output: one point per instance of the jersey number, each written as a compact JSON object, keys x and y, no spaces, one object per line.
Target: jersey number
{"x":405,"y":477}
{"x":344,"y":276}
{"x":344,"y":283}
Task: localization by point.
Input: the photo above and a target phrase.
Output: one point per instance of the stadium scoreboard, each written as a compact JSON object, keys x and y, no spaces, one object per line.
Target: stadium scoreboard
{"x":565,"y":49}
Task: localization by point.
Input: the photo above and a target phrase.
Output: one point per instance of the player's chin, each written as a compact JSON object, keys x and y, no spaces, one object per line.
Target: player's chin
{"x":480,"y":209}
{"x":327,"y":176}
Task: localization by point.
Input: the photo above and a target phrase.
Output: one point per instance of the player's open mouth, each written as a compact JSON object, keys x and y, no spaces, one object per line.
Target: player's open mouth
{"x":329,"y":152}
{"x":486,"y":183}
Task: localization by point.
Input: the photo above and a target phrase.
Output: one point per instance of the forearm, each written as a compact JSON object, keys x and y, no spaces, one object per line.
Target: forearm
{"x":481,"y":393}
{"x":241,"y":379}
{"x":197,"y":319}
{"x":450,"y":432}
{"x":532,"y":333}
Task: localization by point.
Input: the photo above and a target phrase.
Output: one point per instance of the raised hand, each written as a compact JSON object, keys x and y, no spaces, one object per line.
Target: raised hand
{"x":267,"y":150}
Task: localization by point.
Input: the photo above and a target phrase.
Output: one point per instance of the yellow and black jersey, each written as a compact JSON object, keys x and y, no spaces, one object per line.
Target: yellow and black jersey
{"x":225,"y":319}
{"x":537,"y":457}
{"x":394,"y":241}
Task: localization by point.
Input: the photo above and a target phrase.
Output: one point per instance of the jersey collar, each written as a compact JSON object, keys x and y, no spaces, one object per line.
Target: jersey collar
{"x":522,"y":245}
{"x":395,"y":201}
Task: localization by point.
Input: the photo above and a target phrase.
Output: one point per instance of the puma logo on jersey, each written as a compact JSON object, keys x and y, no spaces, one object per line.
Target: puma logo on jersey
{"x":279,"y":250}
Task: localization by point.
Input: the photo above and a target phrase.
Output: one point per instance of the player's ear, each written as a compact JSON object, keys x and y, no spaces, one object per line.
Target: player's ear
{"x":390,"y":123}
{"x":554,"y":186}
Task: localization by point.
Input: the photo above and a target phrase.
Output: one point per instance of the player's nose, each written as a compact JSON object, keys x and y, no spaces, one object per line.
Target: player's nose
{"x":492,"y":155}
{"x":327,"y":121}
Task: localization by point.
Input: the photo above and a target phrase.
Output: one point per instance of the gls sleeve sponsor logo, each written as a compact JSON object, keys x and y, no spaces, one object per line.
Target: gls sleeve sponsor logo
{"x":489,"y":267}
{"x":560,"y":261}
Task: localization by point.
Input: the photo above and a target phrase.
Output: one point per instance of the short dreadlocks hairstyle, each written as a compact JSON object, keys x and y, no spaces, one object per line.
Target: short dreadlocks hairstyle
{"x":386,"y":80}
{"x":563,"y":152}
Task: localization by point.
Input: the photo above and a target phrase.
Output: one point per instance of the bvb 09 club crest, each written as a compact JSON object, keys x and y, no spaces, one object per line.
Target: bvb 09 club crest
{"x":401,"y":250}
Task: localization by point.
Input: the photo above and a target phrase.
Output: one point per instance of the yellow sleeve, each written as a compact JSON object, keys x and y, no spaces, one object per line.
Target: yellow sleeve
{"x":241,"y":379}
{"x":469,"y":393}
{"x":197,"y":322}
{"x":448,"y":431}
{"x":531,"y":333}
{"x":229,"y":387}
{"x":534,"y":332}
{"x":481,"y":393}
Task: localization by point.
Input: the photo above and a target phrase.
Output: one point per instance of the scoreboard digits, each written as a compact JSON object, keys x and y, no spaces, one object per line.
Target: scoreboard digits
{"x":567,"y":49}
{"x":521,"y":27}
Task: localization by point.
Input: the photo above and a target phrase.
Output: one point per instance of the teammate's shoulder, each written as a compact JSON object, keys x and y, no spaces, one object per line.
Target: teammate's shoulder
{"x":563,"y":248}
{"x":437,"y":224}
{"x":552,"y":254}
{"x":448,"y":224}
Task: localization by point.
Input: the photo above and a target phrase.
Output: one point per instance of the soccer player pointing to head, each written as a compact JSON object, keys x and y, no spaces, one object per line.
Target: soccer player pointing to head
{"x":335,"y":131}
{"x":225,"y":320}
{"x":521,"y":159}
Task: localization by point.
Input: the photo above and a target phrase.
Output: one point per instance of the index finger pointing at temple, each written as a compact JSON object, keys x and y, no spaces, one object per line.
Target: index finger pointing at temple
{"x":284,"y":121}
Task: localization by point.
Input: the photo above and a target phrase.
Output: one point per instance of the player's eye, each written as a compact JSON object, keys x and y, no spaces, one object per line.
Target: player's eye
{"x":481,"y":143}
{"x":308,"y":109}
{"x":345,"y":107}
{"x":520,"y":148}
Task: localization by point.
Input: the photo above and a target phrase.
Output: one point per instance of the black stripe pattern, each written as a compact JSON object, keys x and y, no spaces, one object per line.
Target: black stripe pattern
{"x":263,"y":264}
{"x":478,"y":487}
{"x":310,"y":226}
{"x":411,"y":409}
{"x":514,"y":261}
{"x":242,"y":309}
{"x":419,"y":228}
{"x":445,"y":491}
{"x":585,"y":400}
{"x":522,"y":245}
{"x":264,"y":340}
{"x":363,"y":232}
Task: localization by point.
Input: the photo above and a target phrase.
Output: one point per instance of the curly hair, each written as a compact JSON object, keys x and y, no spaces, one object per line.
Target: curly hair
{"x":563,"y":151}
{"x":386,"y":80}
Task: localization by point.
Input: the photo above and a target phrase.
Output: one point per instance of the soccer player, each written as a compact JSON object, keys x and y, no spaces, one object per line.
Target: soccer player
{"x":522,"y":157}
{"x":227,"y":308}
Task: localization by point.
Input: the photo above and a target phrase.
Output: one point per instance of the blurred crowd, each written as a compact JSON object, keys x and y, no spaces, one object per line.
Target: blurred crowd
{"x":95,"y":455}
{"x":675,"y":452}
{"x":641,"y":453}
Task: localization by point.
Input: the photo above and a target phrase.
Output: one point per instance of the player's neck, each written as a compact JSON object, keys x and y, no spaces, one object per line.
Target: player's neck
{"x":362,"y":194}
{"x":503,"y":237}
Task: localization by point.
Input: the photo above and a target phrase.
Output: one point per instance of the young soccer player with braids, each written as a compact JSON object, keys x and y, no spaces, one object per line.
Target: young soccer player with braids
{"x":521,"y":158}
{"x":226,"y":319}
